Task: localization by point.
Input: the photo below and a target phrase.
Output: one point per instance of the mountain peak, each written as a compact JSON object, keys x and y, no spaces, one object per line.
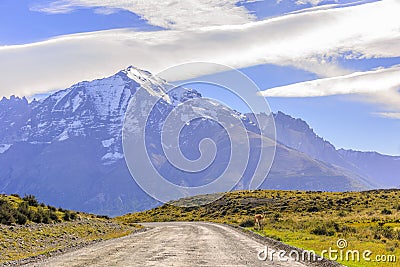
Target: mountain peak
{"x":14,"y":98}
{"x":137,"y":74}
{"x":136,"y":71}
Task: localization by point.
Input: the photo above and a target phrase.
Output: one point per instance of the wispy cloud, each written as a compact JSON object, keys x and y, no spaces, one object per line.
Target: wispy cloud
{"x":390,"y":115}
{"x":105,"y":10}
{"x":378,"y":86}
{"x":58,"y":7}
{"x":370,"y":82}
{"x":169,"y":14}
{"x":312,"y":2}
{"x":307,"y":40}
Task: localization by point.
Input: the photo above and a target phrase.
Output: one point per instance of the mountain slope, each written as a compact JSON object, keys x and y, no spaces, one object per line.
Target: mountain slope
{"x":380,"y":170}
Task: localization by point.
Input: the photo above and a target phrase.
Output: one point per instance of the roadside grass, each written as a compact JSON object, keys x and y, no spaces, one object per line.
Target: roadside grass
{"x":61,"y":230}
{"x":310,"y":220}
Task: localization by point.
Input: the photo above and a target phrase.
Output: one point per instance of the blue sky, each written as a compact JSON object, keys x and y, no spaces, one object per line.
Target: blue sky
{"x":337,"y":46}
{"x":26,"y":26}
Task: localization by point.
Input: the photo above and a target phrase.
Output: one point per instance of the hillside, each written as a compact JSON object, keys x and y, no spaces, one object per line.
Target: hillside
{"x":309,"y":220}
{"x":31,"y":229}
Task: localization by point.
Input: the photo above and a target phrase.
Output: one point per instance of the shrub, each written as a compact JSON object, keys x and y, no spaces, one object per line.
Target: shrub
{"x":52,"y":208}
{"x":247,"y":223}
{"x":313,"y":209}
{"x":276,"y":217}
{"x":10,"y":215}
{"x":66,"y":216}
{"x":386,"y":232}
{"x":53,"y":216}
{"x":103,"y":217}
{"x":381,"y":224}
{"x":46,"y":218}
{"x":397,"y":235}
{"x":69,"y":216}
{"x":21,"y":218}
{"x":31,"y":199}
{"x":6,"y":213}
{"x":37,"y":218}
{"x":23,"y":208}
{"x":386,"y":211}
{"x":342,"y":213}
{"x":347,"y":229}
{"x":73,"y":216}
{"x":322,"y":230}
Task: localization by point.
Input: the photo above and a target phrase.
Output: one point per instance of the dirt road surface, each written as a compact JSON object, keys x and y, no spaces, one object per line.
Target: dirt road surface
{"x":172,"y":244}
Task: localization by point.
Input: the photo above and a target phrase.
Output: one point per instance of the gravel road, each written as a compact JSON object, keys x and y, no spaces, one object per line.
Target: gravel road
{"x":172,"y":244}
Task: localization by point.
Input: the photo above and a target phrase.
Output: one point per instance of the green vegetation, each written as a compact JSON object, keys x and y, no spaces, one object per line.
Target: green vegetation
{"x":29,"y":228}
{"x":16,"y":210}
{"x":310,"y":220}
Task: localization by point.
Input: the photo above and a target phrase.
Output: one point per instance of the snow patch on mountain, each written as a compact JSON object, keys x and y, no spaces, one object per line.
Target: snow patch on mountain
{"x":77,"y":101}
{"x":63,"y":136}
{"x":4,"y":148}
{"x":111,"y":157}
{"x":153,"y":85}
{"x":107,"y":143}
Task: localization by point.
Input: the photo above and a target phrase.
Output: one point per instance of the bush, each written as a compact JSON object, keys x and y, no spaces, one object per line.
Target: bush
{"x":386,"y":211}
{"x":73,"y":216}
{"x":52,"y":208}
{"x":46,"y":218}
{"x":10,"y":215}
{"x":24,"y":209}
{"x":21,"y":218}
{"x":103,"y":217}
{"x":322,"y":230}
{"x":247,"y":223}
{"x":313,"y":209}
{"x":384,"y":231}
{"x":37,"y":217}
{"x":53,"y":216}
{"x":69,"y":216}
{"x":31,"y":199}
{"x":24,"y":212}
{"x":6,"y":213}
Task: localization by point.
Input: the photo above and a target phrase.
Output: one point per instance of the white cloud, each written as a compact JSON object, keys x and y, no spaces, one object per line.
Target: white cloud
{"x":370,"y":82}
{"x":58,"y":7}
{"x":169,"y":14}
{"x":390,"y":115}
{"x":378,"y":86}
{"x":304,"y":40}
{"x":312,"y":2}
{"x":105,"y":10}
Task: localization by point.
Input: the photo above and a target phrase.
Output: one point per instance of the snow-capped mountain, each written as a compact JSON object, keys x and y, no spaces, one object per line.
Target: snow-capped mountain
{"x":93,"y":109}
{"x":67,"y":148}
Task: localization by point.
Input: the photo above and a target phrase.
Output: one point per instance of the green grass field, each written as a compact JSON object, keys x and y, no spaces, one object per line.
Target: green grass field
{"x":309,"y":220}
